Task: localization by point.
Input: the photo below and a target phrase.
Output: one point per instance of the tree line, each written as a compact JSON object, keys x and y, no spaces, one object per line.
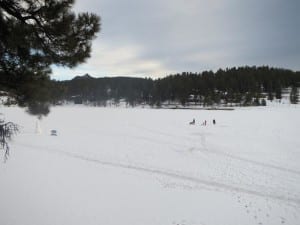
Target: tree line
{"x":240,"y":86}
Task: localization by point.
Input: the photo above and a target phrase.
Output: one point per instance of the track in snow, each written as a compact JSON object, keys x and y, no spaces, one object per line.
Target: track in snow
{"x":168,"y":173}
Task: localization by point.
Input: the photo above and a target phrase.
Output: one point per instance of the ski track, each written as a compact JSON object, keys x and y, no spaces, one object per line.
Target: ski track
{"x":281,"y":169}
{"x":204,"y":149}
{"x":171,"y":174}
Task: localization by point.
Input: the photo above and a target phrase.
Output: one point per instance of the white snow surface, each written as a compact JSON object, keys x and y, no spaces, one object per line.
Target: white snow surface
{"x":118,"y":166}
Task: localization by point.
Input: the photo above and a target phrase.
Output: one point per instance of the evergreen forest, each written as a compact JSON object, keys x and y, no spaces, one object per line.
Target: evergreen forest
{"x":242,"y":86}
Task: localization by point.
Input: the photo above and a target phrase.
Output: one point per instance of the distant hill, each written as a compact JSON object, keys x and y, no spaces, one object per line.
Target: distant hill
{"x":86,"y":76}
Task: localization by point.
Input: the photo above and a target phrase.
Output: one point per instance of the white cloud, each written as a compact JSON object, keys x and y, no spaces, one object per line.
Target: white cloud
{"x":114,"y":61}
{"x":155,"y":38}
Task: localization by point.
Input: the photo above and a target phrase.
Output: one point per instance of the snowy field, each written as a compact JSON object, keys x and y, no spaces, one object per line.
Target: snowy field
{"x":118,"y":166}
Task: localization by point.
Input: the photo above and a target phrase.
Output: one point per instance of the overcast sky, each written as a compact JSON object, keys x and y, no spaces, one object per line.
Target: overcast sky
{"x":158,"y":37}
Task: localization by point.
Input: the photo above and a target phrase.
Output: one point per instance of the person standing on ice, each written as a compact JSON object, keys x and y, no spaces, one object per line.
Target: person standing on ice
{"x":214,"y":121}
{"x":193,"y":122}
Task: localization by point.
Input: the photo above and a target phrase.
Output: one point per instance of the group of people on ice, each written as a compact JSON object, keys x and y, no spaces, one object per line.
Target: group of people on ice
{"x":204,"y":123}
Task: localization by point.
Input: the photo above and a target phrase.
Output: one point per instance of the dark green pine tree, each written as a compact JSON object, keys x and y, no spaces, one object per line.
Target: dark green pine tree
{"x":270,"y":96}
{"x":263,"y":102}
{"x":278,"y":93}
{"x":35,"y":34}
{"x":294,"y":95}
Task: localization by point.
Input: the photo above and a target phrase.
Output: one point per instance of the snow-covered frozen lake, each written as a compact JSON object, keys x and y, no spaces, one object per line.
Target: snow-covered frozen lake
{"x":116,"y":166}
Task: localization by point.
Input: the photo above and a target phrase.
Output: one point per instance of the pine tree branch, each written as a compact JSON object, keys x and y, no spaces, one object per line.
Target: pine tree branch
{"x":7,"y":130}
